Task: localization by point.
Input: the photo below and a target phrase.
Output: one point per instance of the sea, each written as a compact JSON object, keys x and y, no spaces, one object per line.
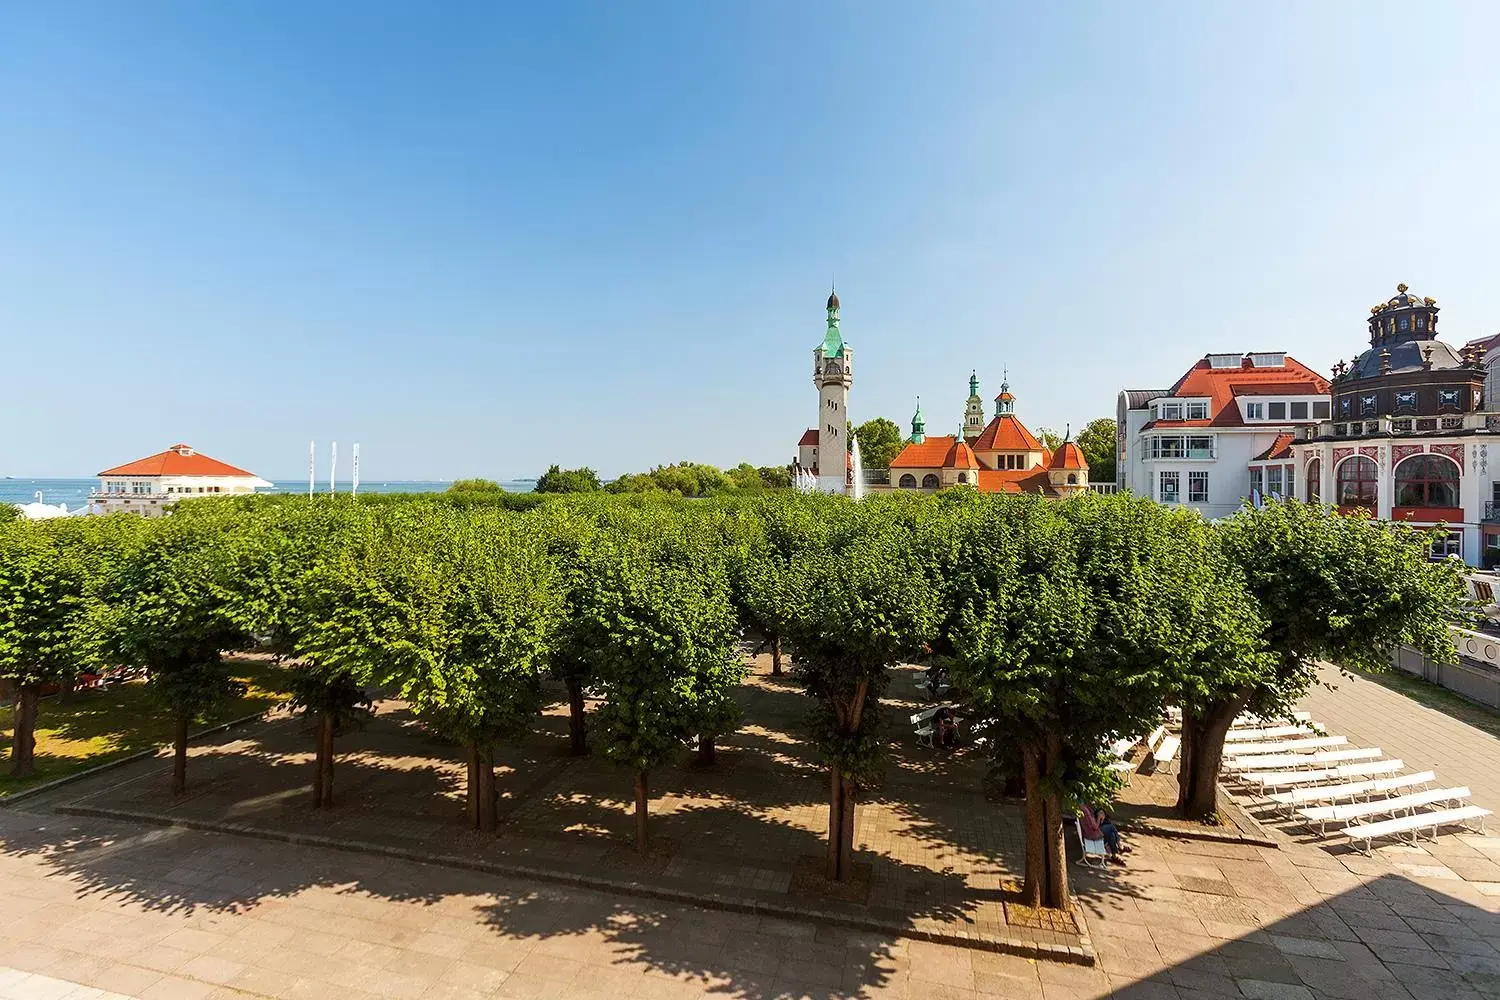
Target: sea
{"x":75,"y":492}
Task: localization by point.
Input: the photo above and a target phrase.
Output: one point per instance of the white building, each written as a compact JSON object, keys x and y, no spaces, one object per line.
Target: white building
{"x":833,"y":375}
{"x":148,"y":485}
{"x":1223,"y":430}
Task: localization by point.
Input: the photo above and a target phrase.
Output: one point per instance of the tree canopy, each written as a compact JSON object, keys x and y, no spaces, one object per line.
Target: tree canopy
{"x":880,"y":441}
{"x":558,"y":480}
{"x":1097,"y":442}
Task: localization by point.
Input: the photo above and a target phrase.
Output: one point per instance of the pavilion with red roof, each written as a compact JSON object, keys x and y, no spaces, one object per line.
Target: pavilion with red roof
{"x":148,"y":485}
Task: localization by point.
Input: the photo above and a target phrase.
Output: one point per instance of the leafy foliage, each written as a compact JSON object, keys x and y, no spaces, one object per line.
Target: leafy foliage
{"x":880,"y":441}
{"x":1097,"y":442}
{"x":557,"y":480}
{"x":475,"y":486}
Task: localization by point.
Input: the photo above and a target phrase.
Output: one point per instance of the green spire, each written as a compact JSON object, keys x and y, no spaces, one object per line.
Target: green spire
{"x":833,"y":341}
{"x":918,"y":425}
{"x":973,"y":383}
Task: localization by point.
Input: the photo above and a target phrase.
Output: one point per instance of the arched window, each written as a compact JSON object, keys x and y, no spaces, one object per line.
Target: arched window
{"x":908,"y":482}
{"x":1072,"y":479}
{"x":1358,"y":481}
{"x":1426,"y":481}
{"x":929,"y":482}
{"x":963,"y":477}
{"x":1314,"y":480}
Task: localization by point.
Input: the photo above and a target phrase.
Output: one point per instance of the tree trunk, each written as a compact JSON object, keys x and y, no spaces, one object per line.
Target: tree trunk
{"x":1046,"y":859}
{"x":577,"y":724}
{"x":486,"y":799}
{"x":65,"y":688}
{"x":471,"y":789}
{"x":323,"y":764}
{"x":642,"y":840}
{"x":1202,"y":751}
{"x":23,"y":745}
{"x":179,"y":755}
{"x":846,"y":830}
{"x":835,"y":824}
{"x":776,"y":656}
{"x":705,"y":749}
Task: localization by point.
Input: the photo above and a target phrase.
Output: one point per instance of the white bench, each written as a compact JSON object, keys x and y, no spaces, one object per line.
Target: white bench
{"x":1095,"y":852}
{"x":1288,"y":761}
{"x":1256,"y":721}
{"x":1285,"y":746}
{"x":925,"y":722}
{"x":1414,"y":824}
{"x":1163,"y":746}
{"x":1323,"y":815}
{"x":1269,"y":733}
{"x":1120,"y":749}
{"x":1351,"y":790}
{"x":1290,"y":779}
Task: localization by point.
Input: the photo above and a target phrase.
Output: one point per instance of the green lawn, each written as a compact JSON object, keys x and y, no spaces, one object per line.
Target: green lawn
{"x":1440,"y":699}
{"x":98,"y":726}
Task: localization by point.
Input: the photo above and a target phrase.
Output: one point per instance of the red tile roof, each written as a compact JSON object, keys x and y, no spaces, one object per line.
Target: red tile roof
{"x":1280,"y":448}
{"x":1006,"y":433}
{"x":809,"y":436}
{"x":943,"y":451}
{"x":1068,"y":456}
{"x":1221,"y":385}
{"x":178,"y":460}
{"x":1015,"y":481}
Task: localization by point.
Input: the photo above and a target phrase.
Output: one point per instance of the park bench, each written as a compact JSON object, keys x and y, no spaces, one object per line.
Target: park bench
{"x":1346,"y":814}
{"x":1284,"y":746}
{"x":1163,"y":746}
{"x":1289,"y":761}
{"x":1120,"y":749}
{"x":1350,"y":790}
{"x":1095,"y":852}
{"x":1269,"y":733}
{"x":924,"y":724}
{"x":1259,"y":721}
{"x":1290,"y":779}
{"x":1415,"y":824}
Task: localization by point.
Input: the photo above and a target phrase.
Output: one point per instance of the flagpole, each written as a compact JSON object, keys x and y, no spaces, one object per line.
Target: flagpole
{"x":333,"y":467}
{"x":355,"y":491}
{"x":312,"y":466}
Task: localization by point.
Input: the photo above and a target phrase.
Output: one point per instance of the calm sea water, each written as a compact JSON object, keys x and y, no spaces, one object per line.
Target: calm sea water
{"x":74,"y":492}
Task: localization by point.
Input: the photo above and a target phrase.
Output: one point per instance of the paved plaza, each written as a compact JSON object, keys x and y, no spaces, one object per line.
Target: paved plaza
{"x":94,"y":905}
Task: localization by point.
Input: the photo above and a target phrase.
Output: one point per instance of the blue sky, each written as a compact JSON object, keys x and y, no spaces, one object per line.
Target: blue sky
{"x":481,"y":238}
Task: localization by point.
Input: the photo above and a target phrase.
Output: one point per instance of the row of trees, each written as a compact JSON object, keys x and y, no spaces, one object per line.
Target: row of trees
{"x":1068,"y":624}
{"x":684,"y":479}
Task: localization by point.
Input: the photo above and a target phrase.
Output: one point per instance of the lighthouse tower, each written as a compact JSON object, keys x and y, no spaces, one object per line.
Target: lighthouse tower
{"x":833,"y":374}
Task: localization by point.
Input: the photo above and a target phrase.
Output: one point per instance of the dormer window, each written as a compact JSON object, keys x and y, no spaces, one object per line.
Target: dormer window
{"x":1197,"y":411}
{"x":1171,"y":411}
{"x":1255,"y":411}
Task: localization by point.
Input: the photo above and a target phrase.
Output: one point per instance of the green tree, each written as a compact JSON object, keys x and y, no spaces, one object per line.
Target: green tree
{"x":49,"y":612}
{"x":174,"y":615}
{"x":557,"y":480}
{"x":862,"y":604}
{"x":1345,"y":590}
{"x":478,"y":486}
{"x":1050,"y":439}
{"x":775,"y":477}
{"x":1097,"y":442}
{"x":653,"y":611}
{"x":880,"y":441}
{"x":1066,"y":621}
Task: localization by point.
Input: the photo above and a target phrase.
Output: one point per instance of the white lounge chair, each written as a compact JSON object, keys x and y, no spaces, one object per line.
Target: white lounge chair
{"x":1289,"y":745}
{"x":1288,"y":761}
{"x":1415,"y":824}
{"x":1350,"y":790}
{"x":1269,"y":733}
{"x":1319,"y":775}
{"x":1347,"y":814}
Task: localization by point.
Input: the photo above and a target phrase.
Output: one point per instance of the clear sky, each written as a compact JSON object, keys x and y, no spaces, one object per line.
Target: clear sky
{"x":481,"y":238}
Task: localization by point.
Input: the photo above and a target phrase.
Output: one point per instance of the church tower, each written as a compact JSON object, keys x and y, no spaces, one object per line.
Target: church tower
{"x":833,"y":374}
{"x":973,"y":410}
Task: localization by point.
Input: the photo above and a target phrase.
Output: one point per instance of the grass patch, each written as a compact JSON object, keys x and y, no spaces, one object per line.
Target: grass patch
{"x":1438,"y":698}
{"x":96,"y":727}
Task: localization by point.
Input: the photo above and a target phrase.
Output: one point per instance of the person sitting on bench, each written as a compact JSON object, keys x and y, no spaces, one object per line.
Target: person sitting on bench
{"x":947,"y":728}
{"x":1097,"y":825}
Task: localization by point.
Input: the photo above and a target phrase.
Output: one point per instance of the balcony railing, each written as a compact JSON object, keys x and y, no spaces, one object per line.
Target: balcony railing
{"x":1108,"y":489}
{"x":1491,"y":512}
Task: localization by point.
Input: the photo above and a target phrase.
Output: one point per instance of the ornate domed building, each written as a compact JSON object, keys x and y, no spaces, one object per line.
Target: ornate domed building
{"x":1408,"y":439}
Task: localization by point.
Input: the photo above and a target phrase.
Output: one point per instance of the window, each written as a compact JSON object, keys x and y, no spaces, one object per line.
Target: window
{"x":1314,"y":480}
{"x":1452,"y":545}
{"x":1358,"y":478}
{"x":1197,"y":411}
{"x":1427,"y":481}
{"x":1275,"y":411}
{"x":929,"y":482}
{"x":1271,"y":360}
{"x":1171,"y":411}
{"x":1447,"y":399}
{"x":1257,"y":481}
{"x":1273,"y":480}
{"x":1291,"y":482}
{"x":1404,"y":324}
{"x":907,"y":482}
{"x":1224,"y":361}
{"x":963,"y":477}
{"x":1255,"y":411}
{"x":1344,"y":407}
{"x":1298,"y":411}
{"x":1421,"y":322}
{"x":1186,"y":446}
{"x":1320,"y":410}
{"x":1170,"y":484}
{"x":1072,"y":479}
{"x":1200,"y":447}
{"x":1367,"y":406}
{"x":1197,"y":487}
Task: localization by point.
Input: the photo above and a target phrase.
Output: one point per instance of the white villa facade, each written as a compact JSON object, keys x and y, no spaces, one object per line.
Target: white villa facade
{"x":1223,"y":430}
{"x":148,"y":485}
